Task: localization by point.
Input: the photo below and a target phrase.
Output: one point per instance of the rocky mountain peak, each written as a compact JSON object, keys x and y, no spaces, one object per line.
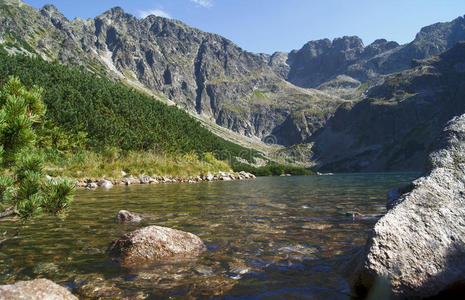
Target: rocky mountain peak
{"x":117,"y":14}
{"x":348,"y":42}
{"x":51,"y":12}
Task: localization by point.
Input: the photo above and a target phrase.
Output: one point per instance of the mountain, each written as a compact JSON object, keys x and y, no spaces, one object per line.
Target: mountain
{"x":320,"y":61}
{"x":255,"y":99}
{"x":201,"y":72}
{"x":394,"y":126}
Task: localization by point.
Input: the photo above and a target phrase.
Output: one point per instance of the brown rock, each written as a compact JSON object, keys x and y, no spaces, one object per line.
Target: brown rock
{"x":124,"y":216}
{"x":35,"y":289}
{"x":154,"y":243}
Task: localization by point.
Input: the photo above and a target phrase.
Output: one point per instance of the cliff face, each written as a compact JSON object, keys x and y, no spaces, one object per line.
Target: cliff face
{"x":417,"y":249}
{"x":201,"y":72}
{"x":320,"y":61}
{"x":394,"y":126}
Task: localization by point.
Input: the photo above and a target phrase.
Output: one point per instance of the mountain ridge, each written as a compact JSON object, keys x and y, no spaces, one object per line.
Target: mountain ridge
{"x":283,"y":98}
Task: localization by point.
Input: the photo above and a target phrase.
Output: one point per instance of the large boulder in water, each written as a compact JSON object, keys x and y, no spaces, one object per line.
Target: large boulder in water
{"x":155,"y":243}
{"x":418,"y":248}
{"x":35,"y":289}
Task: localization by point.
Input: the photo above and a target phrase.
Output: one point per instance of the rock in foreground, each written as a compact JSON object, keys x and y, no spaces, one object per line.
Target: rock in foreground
{"x":155,"y":243}
{"x":35,"y":289}
{"x":418,"y":247}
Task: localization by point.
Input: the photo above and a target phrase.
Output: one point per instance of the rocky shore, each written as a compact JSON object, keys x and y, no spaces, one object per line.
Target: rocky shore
{"x":90,"y":183}
{"x":417,"y":249}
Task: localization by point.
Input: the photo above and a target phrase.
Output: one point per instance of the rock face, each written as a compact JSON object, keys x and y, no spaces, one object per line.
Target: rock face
{"x":155,"y":243}
{"x":320,"y":61}
{"x":394,"y":126}
{"x":419,"y":245}
{"x":39,"y":289}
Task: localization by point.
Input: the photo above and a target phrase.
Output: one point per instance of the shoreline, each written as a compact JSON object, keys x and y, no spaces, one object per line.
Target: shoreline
{"x":92,"y":183}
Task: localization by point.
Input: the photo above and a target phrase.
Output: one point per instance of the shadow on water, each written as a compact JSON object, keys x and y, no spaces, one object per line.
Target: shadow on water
{"x":274,"y":237}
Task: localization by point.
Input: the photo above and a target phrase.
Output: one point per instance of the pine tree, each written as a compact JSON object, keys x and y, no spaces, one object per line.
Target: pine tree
{"x":24,"y":188}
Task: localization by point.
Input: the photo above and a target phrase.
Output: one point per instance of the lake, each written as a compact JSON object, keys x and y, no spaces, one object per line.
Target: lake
{"x":269,"y":238}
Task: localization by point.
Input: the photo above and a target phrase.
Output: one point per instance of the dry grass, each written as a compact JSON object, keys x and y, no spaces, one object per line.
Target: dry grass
{"x":110,"y":162}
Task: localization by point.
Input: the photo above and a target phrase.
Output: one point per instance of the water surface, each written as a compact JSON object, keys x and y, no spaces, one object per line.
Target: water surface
{"x":269,"y":238}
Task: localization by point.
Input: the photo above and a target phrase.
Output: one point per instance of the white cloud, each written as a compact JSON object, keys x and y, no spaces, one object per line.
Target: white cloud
{"x":155,"y":12}
{"x":203,"y":3}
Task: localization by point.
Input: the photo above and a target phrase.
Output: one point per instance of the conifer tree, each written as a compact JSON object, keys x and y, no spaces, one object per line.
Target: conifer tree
{"x":24,"y":188}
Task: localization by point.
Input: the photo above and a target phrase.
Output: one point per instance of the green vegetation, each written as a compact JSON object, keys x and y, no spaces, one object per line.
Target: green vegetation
{"x":94,"y":127}
{"x":24,"y":189}
{"x":273,"y":169}
{"x":110,"y":114}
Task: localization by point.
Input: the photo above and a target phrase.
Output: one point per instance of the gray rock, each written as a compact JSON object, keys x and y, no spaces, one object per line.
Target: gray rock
{"x":393,"y":128}
{"x":418,"y":247}
{"x":209,"y":177}
{"x":39,"y":289}
{"x":124,"y":216}
{"x":91,"y":185}
{"x":155,"y":243}
{"x":106,"y":184}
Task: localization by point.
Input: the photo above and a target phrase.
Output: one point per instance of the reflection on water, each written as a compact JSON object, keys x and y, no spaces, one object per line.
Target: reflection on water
{"x":274,"y":237}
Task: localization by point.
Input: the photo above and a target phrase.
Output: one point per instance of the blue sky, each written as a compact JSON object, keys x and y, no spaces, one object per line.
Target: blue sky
{"x":282,"y":25}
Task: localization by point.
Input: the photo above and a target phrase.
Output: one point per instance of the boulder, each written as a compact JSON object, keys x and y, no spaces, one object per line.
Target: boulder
{"x":417,"y":249}
{"x":124,"y":216}
{"x":155,"y":243}
{"x":35,"y":289}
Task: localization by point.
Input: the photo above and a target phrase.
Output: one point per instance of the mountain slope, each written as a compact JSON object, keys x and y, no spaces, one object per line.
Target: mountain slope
{"x":393,"y":128}
{"x":201,"y":72}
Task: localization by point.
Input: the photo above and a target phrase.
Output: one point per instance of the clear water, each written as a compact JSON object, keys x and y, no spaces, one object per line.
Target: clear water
{"x":269,"y":238}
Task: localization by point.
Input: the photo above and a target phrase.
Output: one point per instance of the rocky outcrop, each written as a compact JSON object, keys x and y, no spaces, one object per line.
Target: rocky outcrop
{"x":418,"y":247}
{"x":124,"y":216}
{"x":318,"y":62}
{"x":39,"y":289}
{"x":155,"y":243}
{"x":394,"y":126}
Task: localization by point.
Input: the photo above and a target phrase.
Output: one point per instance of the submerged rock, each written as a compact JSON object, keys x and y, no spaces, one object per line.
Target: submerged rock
{"x":35,"y":289}
{"x":154,"y":243}
{"x":124,"y":216}
{"x":418,"y":248}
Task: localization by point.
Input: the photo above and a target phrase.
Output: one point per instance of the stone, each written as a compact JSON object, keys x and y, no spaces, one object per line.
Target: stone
{"x":155,"y":243}
{"x":210,"y":177}
{"x":418,"y":248}
{"x":106,"y":184}
{"x":91,"y":185}
{"x":37,"y":289}
{"x":144,"y":179}
{"x":124,"y":216}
